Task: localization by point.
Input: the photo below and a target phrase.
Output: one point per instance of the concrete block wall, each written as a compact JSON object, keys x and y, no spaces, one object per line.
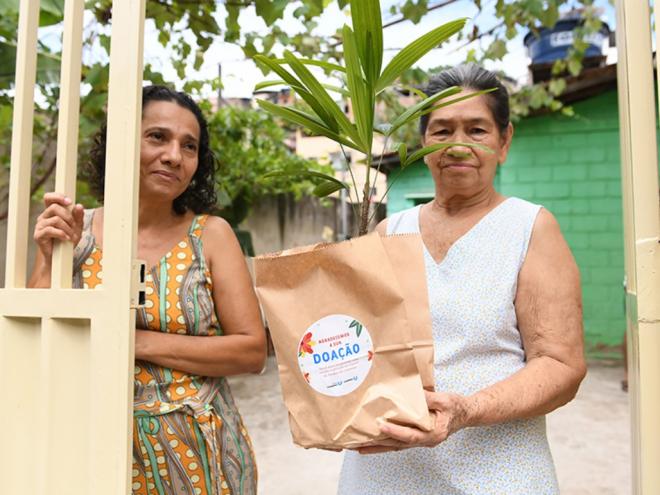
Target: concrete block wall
{"x":572,"y":167}
{"x":415,"y":180}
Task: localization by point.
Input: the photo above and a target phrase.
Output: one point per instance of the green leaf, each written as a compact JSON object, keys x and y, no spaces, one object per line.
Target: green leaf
{"x":403,"y":152}
{"x":310,"y":122}
{"x":316,"y":89}
{"x":97,"y":75}
{"x":319,"y":63}
{"x":51,"y":12}
{"x":53,"y":6}
{"x":233,"y":31}
{"x":413,"y":89}
{"x":362,"y":98}
{"x":368,"y":30}
{"x":6,"y":114}
{"x":318,"y":107}
{"x":557,"y":86}
{"x":269,"y":83}
{"x":416,"y":50}
{"x":270,"y":10}
{"x":279,"y":82}
{"x":7,"y":6}
{"x":48,"y":65}
{"x":327,"y":188}
{"x":550,"y":16}
{"x":412,"y":112}
{"x":496,"y":50}
{"x":104,"y":41}
{"x":421,"y":153}
{"x":574,"y":67}
{"x":456,"y":100}
{"x":413,"y":11}
{"x":337,"y":89}
{"x":276,"y":67}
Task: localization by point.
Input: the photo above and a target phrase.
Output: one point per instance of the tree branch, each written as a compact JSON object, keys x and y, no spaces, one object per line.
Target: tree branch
{"x":478,"y":37}
{"x":438,"y":5}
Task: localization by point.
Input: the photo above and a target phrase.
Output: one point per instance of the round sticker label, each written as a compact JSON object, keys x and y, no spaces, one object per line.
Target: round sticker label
{"x":335,"y":355}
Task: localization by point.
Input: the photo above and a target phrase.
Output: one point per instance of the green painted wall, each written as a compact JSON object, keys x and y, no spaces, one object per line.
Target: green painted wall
{"x":570,"y":166}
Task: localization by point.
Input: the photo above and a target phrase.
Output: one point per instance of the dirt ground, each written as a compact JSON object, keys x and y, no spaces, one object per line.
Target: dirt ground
{"x":590,"y":439}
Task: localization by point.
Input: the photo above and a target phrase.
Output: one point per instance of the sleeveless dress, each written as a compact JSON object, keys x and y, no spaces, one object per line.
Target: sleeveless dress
{"x":188,"y":437}
{"x":477,"y":343}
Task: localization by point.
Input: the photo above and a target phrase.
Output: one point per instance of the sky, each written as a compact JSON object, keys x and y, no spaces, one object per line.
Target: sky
{"x":240,"y":75}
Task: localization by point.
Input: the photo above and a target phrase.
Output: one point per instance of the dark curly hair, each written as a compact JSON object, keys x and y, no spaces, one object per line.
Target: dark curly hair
{"x":200,"y":195}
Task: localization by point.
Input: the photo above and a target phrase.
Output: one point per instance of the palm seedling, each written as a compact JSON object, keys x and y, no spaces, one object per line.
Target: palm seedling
{"x":364,"y":81}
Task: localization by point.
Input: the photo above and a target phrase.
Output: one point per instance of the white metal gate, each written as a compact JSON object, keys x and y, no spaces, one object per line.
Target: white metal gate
{"x":66,"y":355}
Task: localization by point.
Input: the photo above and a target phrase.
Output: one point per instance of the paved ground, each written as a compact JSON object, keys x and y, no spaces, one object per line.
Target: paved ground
{"x":589,"y":439}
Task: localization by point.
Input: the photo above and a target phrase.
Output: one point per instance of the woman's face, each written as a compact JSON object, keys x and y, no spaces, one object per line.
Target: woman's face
{"x":465,"y":170}
{"x":169,"y":149}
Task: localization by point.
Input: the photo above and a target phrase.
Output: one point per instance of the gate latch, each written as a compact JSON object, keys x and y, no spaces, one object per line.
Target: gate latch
{"x":138,"y":284}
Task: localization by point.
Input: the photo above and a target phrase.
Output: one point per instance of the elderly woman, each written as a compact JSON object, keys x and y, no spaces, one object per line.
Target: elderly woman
{"x":504,"y":294}
{"x":201,"y":320}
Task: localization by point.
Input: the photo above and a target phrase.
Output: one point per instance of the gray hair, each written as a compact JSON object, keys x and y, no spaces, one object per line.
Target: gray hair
{"x":475,"y":77}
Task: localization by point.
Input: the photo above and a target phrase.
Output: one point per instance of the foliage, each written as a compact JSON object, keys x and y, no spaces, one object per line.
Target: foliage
{"x":187,"y":28}
{"x":365,"y":81}
{"x":248,"y":145}
{"x":480,"y":44}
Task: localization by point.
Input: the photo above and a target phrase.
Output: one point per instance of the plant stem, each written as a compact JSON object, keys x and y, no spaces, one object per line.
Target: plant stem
{"x":350,"y":170}
{"x":390,"y":184}
{"x":366,"y":199}
{"x":380,"y":162}
{"x":373,"y":187}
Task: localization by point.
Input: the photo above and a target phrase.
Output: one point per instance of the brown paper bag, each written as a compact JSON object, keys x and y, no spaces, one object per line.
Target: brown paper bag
{"x":407,"y":269}
{"x":352,"y":337}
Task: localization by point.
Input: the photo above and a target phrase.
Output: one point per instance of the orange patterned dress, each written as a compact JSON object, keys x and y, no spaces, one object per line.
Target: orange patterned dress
{"x":188,"y":437}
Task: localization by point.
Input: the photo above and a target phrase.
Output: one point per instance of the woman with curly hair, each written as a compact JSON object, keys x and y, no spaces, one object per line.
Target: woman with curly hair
{"x":200,"y":322}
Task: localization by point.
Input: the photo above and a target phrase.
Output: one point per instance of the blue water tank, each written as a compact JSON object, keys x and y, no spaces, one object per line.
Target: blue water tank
{"x":553,"y":44}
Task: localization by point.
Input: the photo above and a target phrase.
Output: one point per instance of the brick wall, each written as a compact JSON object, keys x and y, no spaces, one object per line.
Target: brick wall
{"x":570,"y":166}
{"x":412,"y":183}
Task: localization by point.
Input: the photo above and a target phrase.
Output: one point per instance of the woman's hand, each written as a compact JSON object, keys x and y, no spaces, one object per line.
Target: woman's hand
{"x":450,"y":413}
{"x":59,"y":221}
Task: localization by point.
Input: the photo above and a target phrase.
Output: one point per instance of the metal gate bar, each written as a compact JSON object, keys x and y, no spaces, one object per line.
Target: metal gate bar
{"x":639,"y":164}
{"x":66,"y":355}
